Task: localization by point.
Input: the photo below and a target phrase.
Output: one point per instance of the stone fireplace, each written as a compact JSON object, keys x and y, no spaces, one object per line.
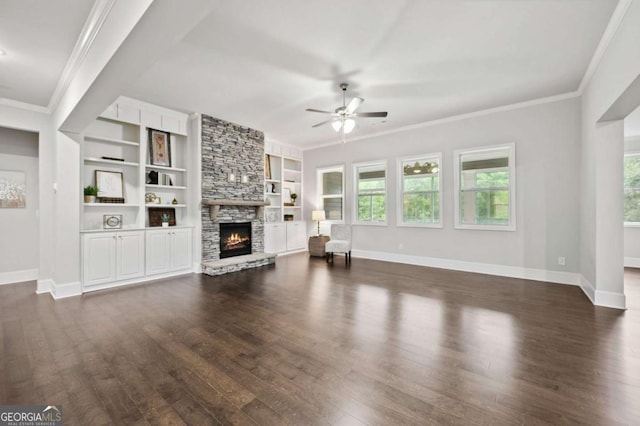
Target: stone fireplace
{"x":228,"y":148}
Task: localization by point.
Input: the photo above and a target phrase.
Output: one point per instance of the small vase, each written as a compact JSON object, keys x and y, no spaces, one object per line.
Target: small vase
{"x":89,"y":198}
{"x":165,"y":224}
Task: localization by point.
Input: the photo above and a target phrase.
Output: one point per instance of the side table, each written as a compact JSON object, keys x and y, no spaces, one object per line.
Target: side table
{"x":316,"y":245}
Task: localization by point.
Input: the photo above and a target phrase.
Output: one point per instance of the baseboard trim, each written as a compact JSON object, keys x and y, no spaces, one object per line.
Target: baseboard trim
{"x":62,"y":291}
{"x":197,"y":268}
{"x":14,"y":277}
{"x":140,"y":280}
{"x":44,"y":286}
{"x":632,"y":262}
{"x":558,"y":277}
{"x":610,"y":299}
{"x":588,"y":289}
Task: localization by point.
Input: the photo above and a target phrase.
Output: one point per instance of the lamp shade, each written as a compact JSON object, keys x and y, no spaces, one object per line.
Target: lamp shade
{"x":318,"y":215}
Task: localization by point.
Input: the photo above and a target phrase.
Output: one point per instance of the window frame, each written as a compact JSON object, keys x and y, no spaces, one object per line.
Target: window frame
{"x":625,"y":223}
{"x":356,"y":194}
{"x":457,"y":157}
{"x":320,"y":171}
{"x":436,"y":156}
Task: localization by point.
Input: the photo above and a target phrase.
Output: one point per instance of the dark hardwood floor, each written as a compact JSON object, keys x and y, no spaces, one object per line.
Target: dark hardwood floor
{"x":307,"y":343}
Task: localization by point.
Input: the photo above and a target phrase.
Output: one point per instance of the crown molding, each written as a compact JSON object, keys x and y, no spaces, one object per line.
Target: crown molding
{"x":90,"y":30}
{"x":454,"y":118}
{"x":612,"y":28}
{"x":25,"y":106}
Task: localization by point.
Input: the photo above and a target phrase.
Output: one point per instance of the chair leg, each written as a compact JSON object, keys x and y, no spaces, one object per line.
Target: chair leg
{"x":346,"y":258}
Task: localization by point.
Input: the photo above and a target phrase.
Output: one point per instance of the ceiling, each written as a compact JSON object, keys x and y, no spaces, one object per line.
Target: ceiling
{"x":261,"y":63}
{"x":38,"y":37}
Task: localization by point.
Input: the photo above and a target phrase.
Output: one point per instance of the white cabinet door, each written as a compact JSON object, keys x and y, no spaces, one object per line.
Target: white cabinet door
{"x":99,"y":258}
{"x":130,"y":255}
{"x":181,"y":249}
{"x":158,"y":253}
{"x":275,"y":237}
{"x":296,"y":235}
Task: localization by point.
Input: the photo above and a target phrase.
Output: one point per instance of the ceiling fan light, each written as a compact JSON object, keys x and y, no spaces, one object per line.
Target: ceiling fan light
{"x":336,"y":125}
{"x":349,"y":125}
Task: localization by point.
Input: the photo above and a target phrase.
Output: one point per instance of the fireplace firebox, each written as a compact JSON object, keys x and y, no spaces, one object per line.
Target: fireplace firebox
{"x":235,"y":239}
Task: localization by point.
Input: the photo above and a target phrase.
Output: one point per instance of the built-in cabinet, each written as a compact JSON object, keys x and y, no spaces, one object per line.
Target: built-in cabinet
{"x":285,"y":229}
{"x":168,"y":250}
{"x":112,"y":256}
{"x":118,"y":142}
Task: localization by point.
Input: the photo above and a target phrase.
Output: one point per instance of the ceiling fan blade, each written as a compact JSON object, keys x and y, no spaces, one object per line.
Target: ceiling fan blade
{"x":318,"y":110}
{"x":353,"y":105}
{"x":371,"y":114}
{"x":324,"y":122}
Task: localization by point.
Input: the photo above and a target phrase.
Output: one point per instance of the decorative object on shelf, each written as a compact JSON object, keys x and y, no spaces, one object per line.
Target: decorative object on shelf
{"x":156,"y":216}
{"x":165,"y":220}
{"x":293,"y":198}
{"x":90,"y":193}
{"x":152,"y":177}
{"x":272,"y":217}
{"x":267,"y":166}
{"x":175,"y":201}
{"x":150,"y":197}
{"x":318,"y":216}
{"x":110,"y":184}
{"x":288,"y":218}
{"x":113,"y":158}
{"x":273,"y":188}
{"x":111,"y":200}
{"x":166,"y":179}
{"x":112,"y":221}
{"x":244,"y":179}
{"x":160,"y":148}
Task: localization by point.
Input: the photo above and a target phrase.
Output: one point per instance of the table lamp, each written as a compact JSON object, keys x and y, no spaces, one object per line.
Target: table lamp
{"x":318,"y":215}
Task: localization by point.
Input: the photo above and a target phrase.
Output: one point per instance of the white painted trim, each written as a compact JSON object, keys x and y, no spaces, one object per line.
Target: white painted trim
{"x":354,"y":200}
{"x":140,"y":280}
{"x":13,"y":277}
{"x":612,"y":28}
{"x":197,"y":268}
{"x":90,"y":30}
{"x":454,"y":118}
{"x":61,"y":291}
{"x":400,"y":190}
{"x":609,"y":299}
{"x":320,"y":198}
{"x":588,"y":289}
{"x":558,"y":277}
{"x":25,"y":106}
{"x":44,"y":286}
{"x":632,"y":262}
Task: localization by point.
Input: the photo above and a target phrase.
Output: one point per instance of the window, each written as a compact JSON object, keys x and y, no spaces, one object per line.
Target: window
{"x":632,"y":189}
{"x":331,"y":192}
{"x":370,"y":183}
{"x":420,"y":191}
{"x":485,"y":188}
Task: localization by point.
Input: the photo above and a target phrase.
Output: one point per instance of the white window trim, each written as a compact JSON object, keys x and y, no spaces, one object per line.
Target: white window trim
{"x":400,"y":197}
{"x":512,"y":187}
{"x":320,"y":198}
{"x":354,"y":170}
{"x":630,"y":154}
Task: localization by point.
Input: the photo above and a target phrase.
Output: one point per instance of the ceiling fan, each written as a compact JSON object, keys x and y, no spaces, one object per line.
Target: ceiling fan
{"x":342,"y":120}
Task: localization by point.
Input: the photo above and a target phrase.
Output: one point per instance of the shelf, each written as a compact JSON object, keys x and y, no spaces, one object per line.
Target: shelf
{"x":110,"y":205}
{"x":292,"y":207}
{"x":103,"y":161}
{"x":272,"y":193}
{"x":111,"y":140}
{"x":171,"y":169}
{"x":271,"y":180}
{"x":292,"y":171}
{"x":272,"y":207}
{"x":152,"y":205}
{"x":165,"y":186}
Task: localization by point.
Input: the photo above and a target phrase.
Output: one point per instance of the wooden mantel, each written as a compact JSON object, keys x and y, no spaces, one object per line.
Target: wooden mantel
{"x":214,"y":206}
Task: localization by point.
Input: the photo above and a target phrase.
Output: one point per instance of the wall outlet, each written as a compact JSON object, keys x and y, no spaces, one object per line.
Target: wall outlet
{"x":562,"y":261}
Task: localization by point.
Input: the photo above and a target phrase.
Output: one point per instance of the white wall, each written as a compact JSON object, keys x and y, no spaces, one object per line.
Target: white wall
{"x":602,"y":252}
{"x":547,"y":139}
{"x":19,"y":227}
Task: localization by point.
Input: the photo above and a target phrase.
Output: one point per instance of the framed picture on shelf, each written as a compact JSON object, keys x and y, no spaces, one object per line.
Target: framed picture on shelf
{"x":155,"y":216}
{"x":267,"y":166}
{"x":160,"y":148}
{"x":110,"y":184}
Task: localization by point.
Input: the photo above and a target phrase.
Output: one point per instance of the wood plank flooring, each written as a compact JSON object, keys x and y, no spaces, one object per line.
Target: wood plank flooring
{"x":307,"y":343}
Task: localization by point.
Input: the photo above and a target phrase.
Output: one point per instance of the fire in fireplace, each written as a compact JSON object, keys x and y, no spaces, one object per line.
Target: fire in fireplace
{"x":235,"y":239}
